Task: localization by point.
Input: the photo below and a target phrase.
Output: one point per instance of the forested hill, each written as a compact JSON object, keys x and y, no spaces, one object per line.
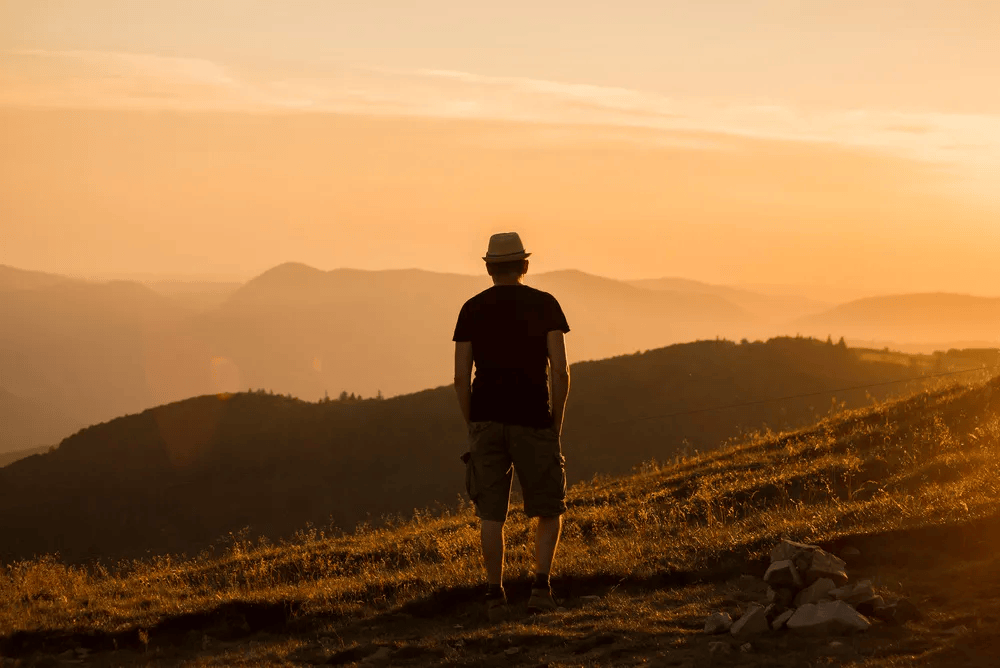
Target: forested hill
{"x":178,"y":477}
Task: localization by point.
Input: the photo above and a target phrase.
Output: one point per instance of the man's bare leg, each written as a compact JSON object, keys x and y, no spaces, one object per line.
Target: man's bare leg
{"x":546,"y":541}
{"x":492,"y":539}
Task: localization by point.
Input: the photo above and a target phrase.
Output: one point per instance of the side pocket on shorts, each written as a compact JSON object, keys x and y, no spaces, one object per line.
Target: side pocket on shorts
{"x":561,"y":465}
{"x":471,"y":488}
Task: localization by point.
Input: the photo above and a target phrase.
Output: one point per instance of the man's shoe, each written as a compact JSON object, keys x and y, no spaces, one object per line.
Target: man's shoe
{"x":541,"y":601}
{"x":496,"y":609}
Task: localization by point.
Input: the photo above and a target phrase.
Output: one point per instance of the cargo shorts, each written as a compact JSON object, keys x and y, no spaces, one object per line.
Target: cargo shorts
{"x":496,"y":450}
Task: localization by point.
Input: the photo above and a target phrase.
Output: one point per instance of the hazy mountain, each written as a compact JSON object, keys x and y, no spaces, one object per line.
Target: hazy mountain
{"x":300,"y":330}
{"x":94,"y":351}
{"x":19,"y":279}
{"x":195,"y":295}
{"x":91,"y":351}
{"x":179,"y":476}
{"x":772,"y":309}
{"x":28,"y":423}
{"x":908,"y":319}
{"x":613,"y":317}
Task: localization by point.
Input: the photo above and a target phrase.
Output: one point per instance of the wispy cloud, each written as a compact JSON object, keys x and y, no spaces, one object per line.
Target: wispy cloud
{"x":128,"y":80}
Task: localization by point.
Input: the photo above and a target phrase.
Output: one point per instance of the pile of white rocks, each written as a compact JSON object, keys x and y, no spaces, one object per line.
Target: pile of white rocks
{"x":808,"y":593}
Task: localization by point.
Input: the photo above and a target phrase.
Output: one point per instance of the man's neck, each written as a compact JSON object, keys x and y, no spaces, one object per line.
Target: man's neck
{"x":506,"y":280}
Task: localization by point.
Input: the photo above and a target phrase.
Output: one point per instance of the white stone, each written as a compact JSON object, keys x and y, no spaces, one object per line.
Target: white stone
{"x":787,"y":549}
{"x":719,"y":622}
{"x":827,"y":618}
{"x":825,"y":565}
{"x":856,"y":593}
{"x":815,"y":592}
{"x":746,"y":648}
{"x":782,"y":619}
{"x":781,"y":574}
{"x":753,"y":622}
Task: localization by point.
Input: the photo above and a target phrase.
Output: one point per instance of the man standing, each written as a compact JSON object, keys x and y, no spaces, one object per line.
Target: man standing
{"x":514,"y":335}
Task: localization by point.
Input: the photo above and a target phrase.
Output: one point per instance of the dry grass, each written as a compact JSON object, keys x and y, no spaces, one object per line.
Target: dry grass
{"x":932,"y":460}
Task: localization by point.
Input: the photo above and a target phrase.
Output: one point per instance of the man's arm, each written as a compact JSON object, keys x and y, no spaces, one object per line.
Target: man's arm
{"x":463,"y":377}
{"x":558,"y":376}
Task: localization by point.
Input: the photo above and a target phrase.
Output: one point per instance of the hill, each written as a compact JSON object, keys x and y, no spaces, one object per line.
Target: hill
{"x":20,"y":279}
{"x":771,"y":309}
{"x":390,"y":331}
{"x":910,"y":486}
{"x":910,"y":319}
{"x":195,"y":295}
{"x":93,"y":352}
{"x":175,"y":478}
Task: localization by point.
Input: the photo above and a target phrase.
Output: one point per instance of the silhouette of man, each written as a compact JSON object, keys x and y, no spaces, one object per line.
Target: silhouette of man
{"x":514,"y":335}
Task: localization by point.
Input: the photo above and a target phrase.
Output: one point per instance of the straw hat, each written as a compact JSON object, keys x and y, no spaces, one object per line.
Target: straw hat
{"x":505,"y":247}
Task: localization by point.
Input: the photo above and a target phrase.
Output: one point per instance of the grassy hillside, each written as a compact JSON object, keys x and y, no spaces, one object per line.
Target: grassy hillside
{"x":175,"y":478}
{"x":912,"y":484}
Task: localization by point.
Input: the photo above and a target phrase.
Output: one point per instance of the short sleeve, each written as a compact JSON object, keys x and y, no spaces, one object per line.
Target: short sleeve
{"x":463,"y":328}
{"x":556,"y":321}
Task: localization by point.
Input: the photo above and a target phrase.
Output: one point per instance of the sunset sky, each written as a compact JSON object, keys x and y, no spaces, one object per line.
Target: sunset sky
{"x":849,"y":143}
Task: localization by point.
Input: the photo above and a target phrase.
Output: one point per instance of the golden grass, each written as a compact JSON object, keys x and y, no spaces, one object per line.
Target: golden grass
{"x":933,"y":459}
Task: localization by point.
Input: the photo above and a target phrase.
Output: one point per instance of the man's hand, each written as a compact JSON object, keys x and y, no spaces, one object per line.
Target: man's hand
{"x":558,"y":377}
{"x":463,"y":378}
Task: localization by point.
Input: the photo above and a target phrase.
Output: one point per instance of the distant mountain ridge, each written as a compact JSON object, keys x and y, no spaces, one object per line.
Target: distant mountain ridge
{"x":94,"y":351}
{"x":21,"y":279}
{"x":911,"y":318}
{"x":772,"y":309}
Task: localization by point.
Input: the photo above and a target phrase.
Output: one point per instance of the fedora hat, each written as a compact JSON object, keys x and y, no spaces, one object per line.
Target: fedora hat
{"x":505,"y":247}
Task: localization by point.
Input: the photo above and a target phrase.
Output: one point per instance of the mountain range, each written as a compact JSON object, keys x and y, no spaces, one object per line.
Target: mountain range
{"x":84,"y":352}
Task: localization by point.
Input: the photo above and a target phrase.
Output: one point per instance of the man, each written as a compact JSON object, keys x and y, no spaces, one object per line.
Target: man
{"x":514,"y":335}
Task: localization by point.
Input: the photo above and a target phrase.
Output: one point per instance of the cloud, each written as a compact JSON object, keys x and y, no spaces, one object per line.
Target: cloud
{"x":128,"y":80}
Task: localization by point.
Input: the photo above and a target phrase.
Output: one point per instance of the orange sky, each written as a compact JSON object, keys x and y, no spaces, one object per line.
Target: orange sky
{"x":756,"y":142}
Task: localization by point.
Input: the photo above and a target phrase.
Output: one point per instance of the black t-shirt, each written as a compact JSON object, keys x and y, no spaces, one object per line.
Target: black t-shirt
{"x":508,"y":326}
